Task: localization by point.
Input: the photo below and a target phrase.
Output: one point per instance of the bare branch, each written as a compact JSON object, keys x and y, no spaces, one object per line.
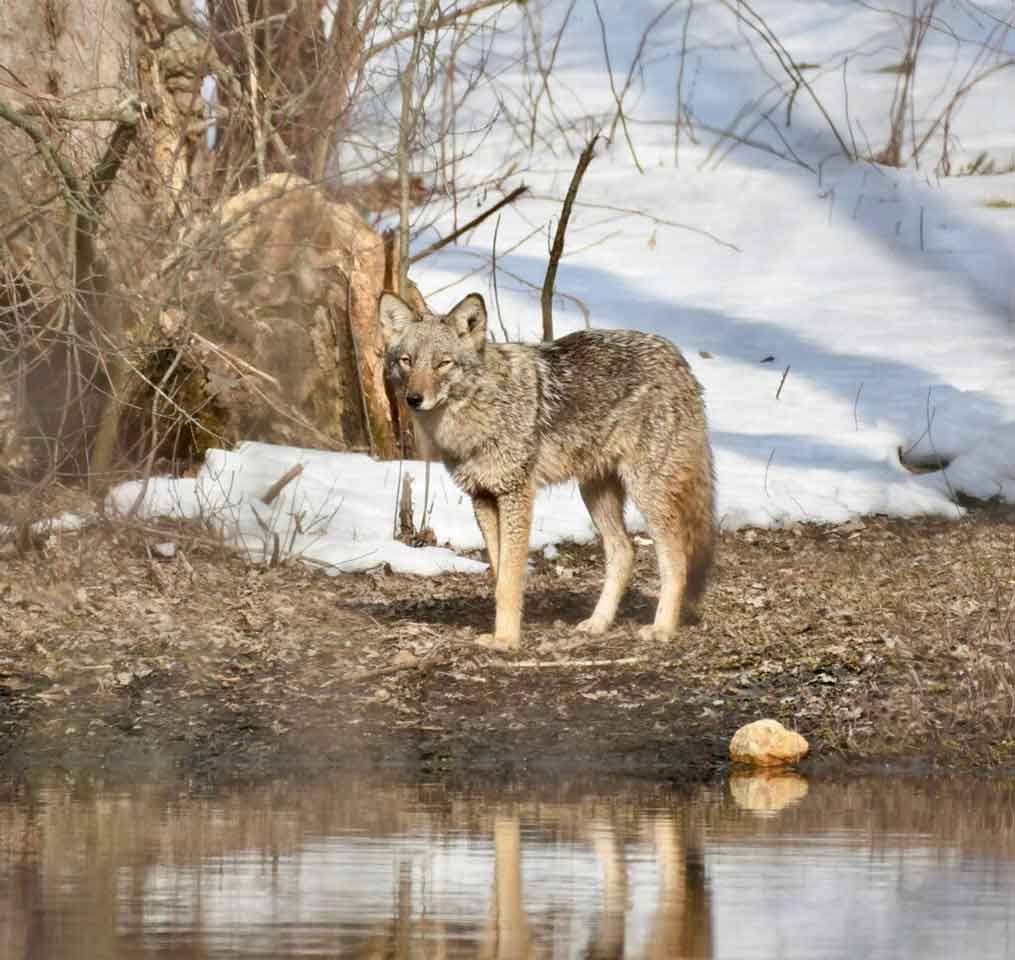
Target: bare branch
{"x":786,"y":61}
{"x":60,"y":166}
{"x":558,"y":240}
{"x":630,"y":211}
{"x":440,"y":22}
{"x":465,"y":228}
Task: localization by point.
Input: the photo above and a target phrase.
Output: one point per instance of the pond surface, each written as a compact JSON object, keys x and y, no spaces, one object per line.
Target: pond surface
{"x":368,"y":868}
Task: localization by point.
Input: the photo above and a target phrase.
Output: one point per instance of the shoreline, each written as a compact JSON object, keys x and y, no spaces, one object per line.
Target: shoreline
{"x":884,"y":642}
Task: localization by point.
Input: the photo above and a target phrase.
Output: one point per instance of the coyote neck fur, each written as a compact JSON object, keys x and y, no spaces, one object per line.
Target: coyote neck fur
{"x":509,"y":396}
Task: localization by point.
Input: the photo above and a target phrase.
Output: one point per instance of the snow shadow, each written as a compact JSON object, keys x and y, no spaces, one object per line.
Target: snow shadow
{"x":890,"y":388}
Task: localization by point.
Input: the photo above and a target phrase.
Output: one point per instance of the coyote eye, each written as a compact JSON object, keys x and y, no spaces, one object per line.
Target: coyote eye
{"x":443,"y":365}
{"x":405,"y":360}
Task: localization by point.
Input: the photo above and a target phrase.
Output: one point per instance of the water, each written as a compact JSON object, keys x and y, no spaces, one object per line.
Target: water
{"x":359,"y":867}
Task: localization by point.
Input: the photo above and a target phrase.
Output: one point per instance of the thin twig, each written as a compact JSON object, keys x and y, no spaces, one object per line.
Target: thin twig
{"x":65,"y":172}
{"x":158,"y":393}
{"x":558,"y":240}
{"x":474,"y":222}
{"x":680,"y":85}
{"x":459,"y":13}
{"x":786,"y":61}
{"x":785,"y":373}
{"x":651,"y":216}
{"x":496,"y":292}
{"x":234,"y":360}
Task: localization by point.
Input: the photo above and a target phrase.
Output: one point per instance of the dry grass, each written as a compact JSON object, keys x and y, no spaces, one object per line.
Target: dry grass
{"x":984,"y":165}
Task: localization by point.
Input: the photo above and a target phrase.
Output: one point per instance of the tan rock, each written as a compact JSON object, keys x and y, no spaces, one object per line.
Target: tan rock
{"x":767,"y":743}
{"x":767,"y":791}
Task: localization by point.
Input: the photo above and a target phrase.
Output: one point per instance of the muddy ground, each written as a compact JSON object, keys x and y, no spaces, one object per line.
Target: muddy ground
{"x":882,"y":641}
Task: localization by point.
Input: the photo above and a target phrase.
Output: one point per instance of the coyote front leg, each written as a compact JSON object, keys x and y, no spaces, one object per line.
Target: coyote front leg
{"x":485,"y":508}
{"x":514,"y":512}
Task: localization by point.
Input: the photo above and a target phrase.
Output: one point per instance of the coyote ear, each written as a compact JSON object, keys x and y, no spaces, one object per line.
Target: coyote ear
{"x":469,"y":319}
{"x":394,"y":315}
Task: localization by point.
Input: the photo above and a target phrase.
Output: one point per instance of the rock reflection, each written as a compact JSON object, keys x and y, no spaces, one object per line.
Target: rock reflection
{"x":767,"y":791}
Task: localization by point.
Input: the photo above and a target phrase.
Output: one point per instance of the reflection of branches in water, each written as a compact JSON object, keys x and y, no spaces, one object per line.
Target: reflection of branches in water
{"x":203,"y":836}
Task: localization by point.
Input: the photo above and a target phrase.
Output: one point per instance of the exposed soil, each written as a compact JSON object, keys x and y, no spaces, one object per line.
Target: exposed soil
{"x":879,"y":640}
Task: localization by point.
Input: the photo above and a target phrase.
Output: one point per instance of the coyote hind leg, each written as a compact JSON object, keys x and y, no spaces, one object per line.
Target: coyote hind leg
{"x":662,"y":497}
{"x":604,"y":498}
{"x":672,"y":559}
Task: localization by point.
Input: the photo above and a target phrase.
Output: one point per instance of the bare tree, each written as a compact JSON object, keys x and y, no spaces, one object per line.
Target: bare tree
{"x":162,"y":251}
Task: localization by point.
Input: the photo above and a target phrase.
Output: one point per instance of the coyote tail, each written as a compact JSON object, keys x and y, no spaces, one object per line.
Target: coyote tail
{"x":698,"y":527}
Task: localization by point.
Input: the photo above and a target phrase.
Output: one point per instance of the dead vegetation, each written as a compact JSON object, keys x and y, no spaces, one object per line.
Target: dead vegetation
{"x":878,"y":640}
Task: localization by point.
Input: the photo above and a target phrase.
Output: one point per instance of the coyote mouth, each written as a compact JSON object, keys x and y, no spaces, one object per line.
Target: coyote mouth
{"x":426,"y":406}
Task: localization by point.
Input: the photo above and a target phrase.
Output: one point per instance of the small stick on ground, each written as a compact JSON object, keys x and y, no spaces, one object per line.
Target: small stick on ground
{"x":365,"y":675}
{"x":543,"y":664}
{"x":277,"y":487}
{"x":557,"y":249}
{"x":434,"y":658}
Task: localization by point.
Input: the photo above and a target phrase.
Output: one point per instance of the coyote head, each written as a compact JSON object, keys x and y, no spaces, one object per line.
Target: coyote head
{"x":429,"y":356}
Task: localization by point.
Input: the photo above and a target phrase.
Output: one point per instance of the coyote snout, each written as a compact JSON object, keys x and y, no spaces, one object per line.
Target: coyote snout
{"x":619,"y":411}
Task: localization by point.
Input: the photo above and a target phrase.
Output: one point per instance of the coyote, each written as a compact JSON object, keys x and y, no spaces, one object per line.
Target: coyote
{"x":617,"y":410}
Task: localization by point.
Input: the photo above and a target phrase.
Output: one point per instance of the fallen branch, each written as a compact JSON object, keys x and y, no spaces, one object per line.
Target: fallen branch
{"x":365,"y":675}
{"x":436,"y":656}
{"x":557,"y":249}
{"x":544,"y":664}
{"x":276,"y":488}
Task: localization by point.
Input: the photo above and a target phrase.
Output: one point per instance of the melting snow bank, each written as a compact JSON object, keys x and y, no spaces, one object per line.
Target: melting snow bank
{"x":339,"y":511}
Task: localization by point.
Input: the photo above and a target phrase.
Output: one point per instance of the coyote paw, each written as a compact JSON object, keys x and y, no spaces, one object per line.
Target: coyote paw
{"x":594,"y":626}
{"x":497,"y":643}
{"x":654,"y":634}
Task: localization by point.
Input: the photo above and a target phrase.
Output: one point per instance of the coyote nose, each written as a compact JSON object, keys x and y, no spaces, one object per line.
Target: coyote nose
{"x":414,"y":399}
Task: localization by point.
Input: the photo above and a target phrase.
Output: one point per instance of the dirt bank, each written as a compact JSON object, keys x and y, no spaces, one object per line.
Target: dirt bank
{"x":879,"y":640}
